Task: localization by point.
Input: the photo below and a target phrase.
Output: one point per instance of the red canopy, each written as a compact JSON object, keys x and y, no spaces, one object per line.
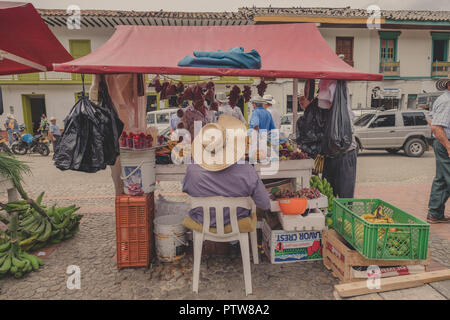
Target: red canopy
{"x":287,"y":51}
{"x":26,"y":42}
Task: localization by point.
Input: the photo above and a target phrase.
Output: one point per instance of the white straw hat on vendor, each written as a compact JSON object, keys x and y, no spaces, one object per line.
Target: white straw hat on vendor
{"x":258,"y":100}
{"x":220,"y":145}
{"x":269,"y":99}
{"x":442,"y":84}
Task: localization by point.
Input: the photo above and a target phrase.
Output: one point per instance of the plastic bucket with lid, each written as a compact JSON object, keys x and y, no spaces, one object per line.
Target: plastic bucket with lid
{"x":170,"y":237}
{"x":138,"y":171}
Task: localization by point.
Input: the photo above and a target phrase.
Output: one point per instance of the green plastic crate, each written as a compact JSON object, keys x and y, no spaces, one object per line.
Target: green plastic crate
{"x":374,"y":240}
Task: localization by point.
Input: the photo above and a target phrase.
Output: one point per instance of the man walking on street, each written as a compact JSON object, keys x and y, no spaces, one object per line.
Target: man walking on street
{"x":55,"y":133}
{"x":440,"y":126}
{"x":261,"y":118}
{"x":273,"y":111}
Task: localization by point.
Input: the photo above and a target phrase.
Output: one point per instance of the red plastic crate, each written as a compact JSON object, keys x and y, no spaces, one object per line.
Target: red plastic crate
{"x":134,"y":230}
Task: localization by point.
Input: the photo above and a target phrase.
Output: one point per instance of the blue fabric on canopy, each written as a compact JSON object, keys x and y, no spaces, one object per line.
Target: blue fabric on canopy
{"x":233,"y":58}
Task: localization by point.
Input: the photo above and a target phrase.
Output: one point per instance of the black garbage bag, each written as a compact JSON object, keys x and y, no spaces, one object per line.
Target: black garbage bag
{"x":311,"y":129}
{"x":90,"y":140}
{"x":338,"y":131}
{"x":112,"y":126}
{"x":81,"y":145}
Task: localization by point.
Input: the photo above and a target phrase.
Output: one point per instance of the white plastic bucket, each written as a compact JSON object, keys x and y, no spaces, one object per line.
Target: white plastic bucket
{"x":138,"y":171}
{"x":170,"y":237}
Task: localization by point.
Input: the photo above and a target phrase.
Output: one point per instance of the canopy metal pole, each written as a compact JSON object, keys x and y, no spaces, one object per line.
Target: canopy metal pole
{"x":294,"y":105}
{"x":26,"y":62}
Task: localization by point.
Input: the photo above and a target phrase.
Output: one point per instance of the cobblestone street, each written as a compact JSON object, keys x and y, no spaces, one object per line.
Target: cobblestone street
{"x":404,"y":182}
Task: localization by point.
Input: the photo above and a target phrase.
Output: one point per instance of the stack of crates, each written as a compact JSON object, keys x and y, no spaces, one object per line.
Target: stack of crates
{"x":134,"y":230}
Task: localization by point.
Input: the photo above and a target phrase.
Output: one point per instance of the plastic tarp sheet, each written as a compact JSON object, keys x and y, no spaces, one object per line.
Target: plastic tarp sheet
{"x":286,"y":50}
{"x":23,"y":33}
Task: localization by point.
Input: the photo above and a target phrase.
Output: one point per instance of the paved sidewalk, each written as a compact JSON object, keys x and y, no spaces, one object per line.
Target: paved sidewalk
{"x":93,"y":248}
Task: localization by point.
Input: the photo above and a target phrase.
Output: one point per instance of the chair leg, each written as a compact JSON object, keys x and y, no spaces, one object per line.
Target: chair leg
{"x":254,"y":244}
{"x":245,"y":252}
{"x":198,"y":244}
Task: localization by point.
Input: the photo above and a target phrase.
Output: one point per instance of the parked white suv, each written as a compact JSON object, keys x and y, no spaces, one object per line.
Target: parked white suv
{"x":393,"y":130}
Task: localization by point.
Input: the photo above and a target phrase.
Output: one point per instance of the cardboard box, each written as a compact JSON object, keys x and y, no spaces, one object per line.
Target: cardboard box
{"x":314,"y":221}
{"x":284,"y":247}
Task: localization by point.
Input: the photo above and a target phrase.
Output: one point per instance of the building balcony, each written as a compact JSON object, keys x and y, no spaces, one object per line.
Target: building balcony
{"x":440,"y":69}
{"x":390,"y":68}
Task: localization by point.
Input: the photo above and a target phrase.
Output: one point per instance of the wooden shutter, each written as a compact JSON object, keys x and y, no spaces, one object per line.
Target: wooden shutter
{"x":345,"y":46}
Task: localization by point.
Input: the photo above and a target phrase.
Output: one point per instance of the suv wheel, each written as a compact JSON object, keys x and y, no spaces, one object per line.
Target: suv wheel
{"x":415,"y":148}
{"x":392,"y":150}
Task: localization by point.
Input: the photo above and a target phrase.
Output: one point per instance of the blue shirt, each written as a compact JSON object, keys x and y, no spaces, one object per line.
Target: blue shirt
{"x":11,"y":123}
{"x":238,"y":180}
{"x":440,"y":114}
{"x":54,"y":129}
{"x":261,"y":118}
{"x":174,"y":121}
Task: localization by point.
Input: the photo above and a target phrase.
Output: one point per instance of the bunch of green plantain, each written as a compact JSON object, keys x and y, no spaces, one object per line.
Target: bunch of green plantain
{"x":325,"y":188}
{"x":15,"y":261}
{"x":41,"y":226}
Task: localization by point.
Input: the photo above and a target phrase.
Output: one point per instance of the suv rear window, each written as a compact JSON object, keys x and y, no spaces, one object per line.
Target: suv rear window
{"x":414,"y":119}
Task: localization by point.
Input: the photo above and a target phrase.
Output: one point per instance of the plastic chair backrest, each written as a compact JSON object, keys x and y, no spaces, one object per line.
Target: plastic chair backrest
{"x":219,"y":203}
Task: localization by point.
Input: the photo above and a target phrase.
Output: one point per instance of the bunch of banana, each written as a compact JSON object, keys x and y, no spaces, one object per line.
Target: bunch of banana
{"x":60,"y":224}
{"x":15,"y":261}
{"x":324,"y":187}
{"x":318,"y":164}
{"x":378,"y":216}
{"x":65,"y":222}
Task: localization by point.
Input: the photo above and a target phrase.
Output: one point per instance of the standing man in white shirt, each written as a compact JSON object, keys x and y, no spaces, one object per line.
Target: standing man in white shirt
{"x":225,"y":108}
{"x":269,"y":106}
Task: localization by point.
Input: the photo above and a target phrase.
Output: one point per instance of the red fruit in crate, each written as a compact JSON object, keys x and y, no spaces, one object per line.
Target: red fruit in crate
{"x":149,"y":140}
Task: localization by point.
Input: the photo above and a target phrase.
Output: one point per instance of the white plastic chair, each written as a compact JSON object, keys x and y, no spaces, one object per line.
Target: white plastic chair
{"x":219,"y":203}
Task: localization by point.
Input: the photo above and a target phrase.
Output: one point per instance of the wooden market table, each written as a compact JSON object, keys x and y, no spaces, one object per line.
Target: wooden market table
{"x":300,"y":170}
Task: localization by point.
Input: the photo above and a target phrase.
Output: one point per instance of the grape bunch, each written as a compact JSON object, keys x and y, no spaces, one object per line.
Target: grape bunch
{"x":298,"y":156}
{"x":234,"y":96}
{"x":262,"y":86}
{"x":247,"y":93}
{"x":309,"y":193}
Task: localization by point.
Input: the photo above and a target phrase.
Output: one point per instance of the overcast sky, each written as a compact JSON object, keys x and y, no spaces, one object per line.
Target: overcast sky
{"x":233,"y":5}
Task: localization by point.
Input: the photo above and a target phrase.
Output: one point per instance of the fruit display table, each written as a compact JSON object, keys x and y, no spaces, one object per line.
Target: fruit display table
{"x":300,"y":170}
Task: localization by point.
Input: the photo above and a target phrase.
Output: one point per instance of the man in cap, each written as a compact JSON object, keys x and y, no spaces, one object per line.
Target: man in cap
{"x":269,"y":106}
{"x":11,"y":126}
{"x":54,"y":133}
{"x":216,"y":173}
{"x":225,"y":108}
{"x":261,"y":119}
{"x":440,"y":126}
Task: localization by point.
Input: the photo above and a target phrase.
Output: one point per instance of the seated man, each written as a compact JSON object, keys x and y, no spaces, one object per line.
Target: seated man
{"x":223,"y":178}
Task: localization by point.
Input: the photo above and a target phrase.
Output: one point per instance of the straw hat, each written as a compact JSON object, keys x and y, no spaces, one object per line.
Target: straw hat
{"x":52,"y":118}
{"x":10,"y":116}
{"x":441,"y":84}
{"x":258,"y":99}
{"x":269,"y":99}
{"x":213,"y":147}
{"x":221,"y":97}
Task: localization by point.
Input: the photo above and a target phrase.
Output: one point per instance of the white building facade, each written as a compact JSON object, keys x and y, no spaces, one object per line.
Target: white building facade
{"x":411,"y":49}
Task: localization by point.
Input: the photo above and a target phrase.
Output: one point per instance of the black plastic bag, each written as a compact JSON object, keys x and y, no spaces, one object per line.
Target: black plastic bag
{"x":311,"y":129}
{"x":90,"y":140}
{"x":80,"y":147}
{"x":338,"y":131}
{"x":112,"y":126}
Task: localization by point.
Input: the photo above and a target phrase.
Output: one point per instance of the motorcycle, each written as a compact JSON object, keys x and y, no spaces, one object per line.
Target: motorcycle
{"x":4,"y":145}
{"x":28,"y":143}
